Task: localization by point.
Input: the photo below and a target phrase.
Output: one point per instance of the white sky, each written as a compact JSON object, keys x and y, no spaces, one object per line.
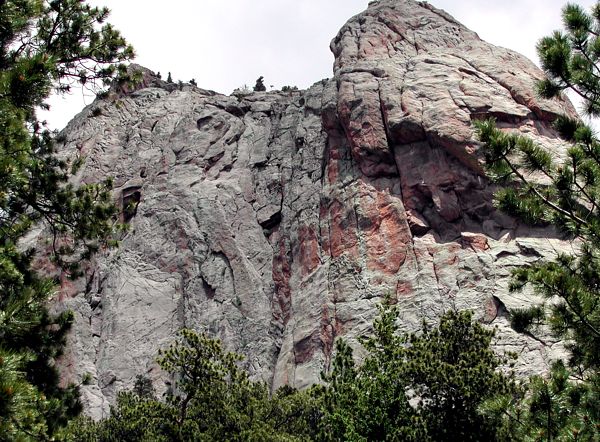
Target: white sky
{"x":225,"y":44}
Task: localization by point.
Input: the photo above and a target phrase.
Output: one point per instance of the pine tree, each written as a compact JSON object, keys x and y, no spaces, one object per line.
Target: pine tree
{"x":568,"y":197}
{"x":212,"y":398}
{"x":44,"y":46}
{"x":260,"y":85}
{"x":421,"y":386}
{"x":553,"y":407}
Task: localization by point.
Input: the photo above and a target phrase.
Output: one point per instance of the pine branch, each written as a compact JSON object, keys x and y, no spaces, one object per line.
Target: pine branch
{"x":542,"y":198}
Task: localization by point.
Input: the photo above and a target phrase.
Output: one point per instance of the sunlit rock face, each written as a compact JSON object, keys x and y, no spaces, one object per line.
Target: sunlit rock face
{"x":278,"y":221}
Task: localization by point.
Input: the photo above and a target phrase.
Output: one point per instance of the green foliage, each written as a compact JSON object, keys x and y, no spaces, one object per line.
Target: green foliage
{"x":44,"y":45}
{"x":133,"y":418}
{"x":568,"y":198}
{"x":421,"y":386}
{"x":370,"y":402}
{"x":565,"y":193}
{"x":143,"y":387}
{"x":452,"y":369}
{"x":541,"y":190}
{"x":212,"y":399}
{"x":570,"y":59}
{"x":554,"y":408}
{"x":523,"y":319}
{"x":430,"y":385}
{"x":260,"y":85}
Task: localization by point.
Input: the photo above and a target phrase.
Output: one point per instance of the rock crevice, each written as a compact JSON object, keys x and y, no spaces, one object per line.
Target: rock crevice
{"x":277,"y":221}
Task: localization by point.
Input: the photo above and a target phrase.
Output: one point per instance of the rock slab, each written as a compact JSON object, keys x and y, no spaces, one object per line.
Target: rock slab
{"x":278,"y":221}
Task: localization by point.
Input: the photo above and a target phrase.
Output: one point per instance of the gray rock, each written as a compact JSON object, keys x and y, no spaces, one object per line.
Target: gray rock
{"x":278,"y":221}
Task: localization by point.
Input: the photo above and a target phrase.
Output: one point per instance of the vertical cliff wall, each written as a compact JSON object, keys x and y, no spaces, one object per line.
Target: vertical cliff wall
{"x":278,"y":221}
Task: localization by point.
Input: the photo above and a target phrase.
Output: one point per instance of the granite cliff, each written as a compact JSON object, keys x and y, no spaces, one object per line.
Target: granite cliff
{"x":278,"y":221}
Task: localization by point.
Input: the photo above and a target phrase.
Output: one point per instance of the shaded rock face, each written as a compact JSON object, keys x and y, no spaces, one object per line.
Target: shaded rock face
{"x":277,"y":221}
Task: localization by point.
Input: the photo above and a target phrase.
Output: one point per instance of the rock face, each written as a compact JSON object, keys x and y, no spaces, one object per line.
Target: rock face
{"x":278,"y":221}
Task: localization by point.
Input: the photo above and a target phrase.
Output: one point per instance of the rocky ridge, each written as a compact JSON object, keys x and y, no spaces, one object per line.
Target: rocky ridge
{"x":278,"y":221}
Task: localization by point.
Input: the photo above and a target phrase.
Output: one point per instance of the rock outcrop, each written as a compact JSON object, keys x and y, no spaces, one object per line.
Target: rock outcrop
{"x":278,"y":221}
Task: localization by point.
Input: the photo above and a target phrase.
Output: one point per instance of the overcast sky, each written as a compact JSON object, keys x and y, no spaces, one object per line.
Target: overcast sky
{"x":224,"y":44}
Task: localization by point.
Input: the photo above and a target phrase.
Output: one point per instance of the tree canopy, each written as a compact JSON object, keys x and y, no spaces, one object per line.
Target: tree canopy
{"x":421,"y":386}
{"x":418,"y":386}
{"x":212,"y":398}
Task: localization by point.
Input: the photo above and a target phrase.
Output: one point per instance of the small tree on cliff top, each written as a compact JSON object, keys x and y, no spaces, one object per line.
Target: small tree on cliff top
{"x":260,"y":85}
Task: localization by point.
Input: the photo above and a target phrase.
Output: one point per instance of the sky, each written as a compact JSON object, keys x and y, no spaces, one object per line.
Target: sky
{"x":225,"y":44}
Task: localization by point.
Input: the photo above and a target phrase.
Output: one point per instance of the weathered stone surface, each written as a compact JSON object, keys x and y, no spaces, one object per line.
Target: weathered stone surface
{"x":278,"y":221}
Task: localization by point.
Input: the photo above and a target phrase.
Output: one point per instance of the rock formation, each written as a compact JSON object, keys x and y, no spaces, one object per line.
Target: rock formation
{"x":278,"y":221}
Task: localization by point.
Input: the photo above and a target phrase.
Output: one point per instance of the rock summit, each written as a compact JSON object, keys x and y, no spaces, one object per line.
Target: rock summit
{"x":278,"y":221}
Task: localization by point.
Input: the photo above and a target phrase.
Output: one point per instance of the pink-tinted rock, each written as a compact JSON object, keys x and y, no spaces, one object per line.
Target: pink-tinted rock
{"x":308,"y":252}
{"x":277,"y":222}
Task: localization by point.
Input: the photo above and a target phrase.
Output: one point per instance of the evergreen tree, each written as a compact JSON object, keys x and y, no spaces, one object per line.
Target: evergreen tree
{"x":421,"y":386}
{"x":169,"y":78}
{"x":44,"y":46}
{"x":143,"y":387}
{"x":212,"y":399}
{"x":550,"y":408}
{"x":564,"y":406}
{"x":260,"y":85}
{"x":569,"y":196}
